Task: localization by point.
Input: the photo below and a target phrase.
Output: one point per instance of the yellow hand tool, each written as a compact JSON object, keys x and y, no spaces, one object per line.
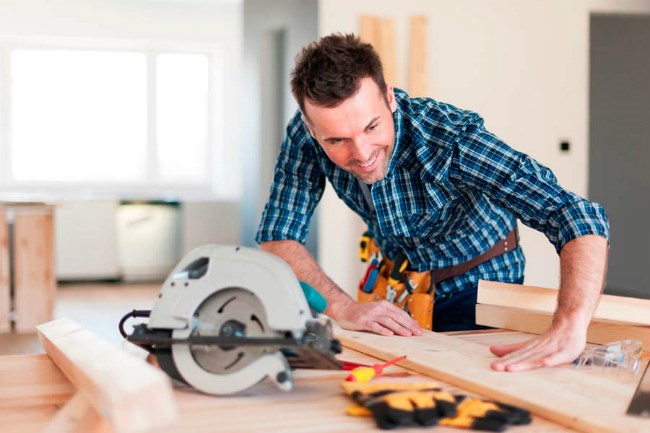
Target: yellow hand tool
{"x":364,"y":374}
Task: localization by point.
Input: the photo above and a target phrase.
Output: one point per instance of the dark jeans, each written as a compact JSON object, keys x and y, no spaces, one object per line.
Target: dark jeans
{"x":458,"y":312}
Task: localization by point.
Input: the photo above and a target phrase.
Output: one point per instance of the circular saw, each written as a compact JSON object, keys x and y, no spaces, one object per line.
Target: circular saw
{"x":228,"y":317}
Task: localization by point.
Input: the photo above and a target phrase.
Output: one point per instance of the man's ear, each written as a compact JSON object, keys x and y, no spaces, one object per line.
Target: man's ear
{"x":308,"y":125}
{"x":390,"y":97}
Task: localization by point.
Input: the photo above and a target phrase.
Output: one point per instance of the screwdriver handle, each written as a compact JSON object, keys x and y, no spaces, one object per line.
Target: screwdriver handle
{"x":361,"y":375}
{"x":364,"y":374}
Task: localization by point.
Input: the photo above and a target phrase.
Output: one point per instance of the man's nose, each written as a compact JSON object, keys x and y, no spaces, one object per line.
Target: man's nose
{"x":361,"y":149}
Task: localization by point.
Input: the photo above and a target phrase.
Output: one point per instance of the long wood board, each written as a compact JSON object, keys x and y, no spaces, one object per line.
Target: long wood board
{"x":534,"y":322}
{"x":616,"y":308}
{"x":380,"y":33}
{"x":34,"y":275}
{"x":418,"y":56}
{"x":130,"y":394}
{"x":564,"y":395}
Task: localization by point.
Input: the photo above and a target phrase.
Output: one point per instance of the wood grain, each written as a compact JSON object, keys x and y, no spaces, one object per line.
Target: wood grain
{"x":32,"y":380}
{"x":34,"y":274}
{"x":614,"y":308}
{"x":316,"y":404}
{"x":534,"y":322}
{"x":5,"y":299}
{"x":77,"y":416}
{"x":130,"y":394}
{"x":418,"y":76}
{"x":563,"y":394}
{"x":380,"y":33}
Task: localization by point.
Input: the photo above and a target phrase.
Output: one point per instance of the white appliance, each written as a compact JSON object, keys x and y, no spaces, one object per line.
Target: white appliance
{"x":86,"y":246}
{"x":148,"y":239}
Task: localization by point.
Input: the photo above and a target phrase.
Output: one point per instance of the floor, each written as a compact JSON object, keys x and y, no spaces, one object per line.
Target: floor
{"x":96,"y":306}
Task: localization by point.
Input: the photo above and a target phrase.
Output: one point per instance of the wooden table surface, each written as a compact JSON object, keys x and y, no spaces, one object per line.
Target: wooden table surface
{"x":32,"y":389}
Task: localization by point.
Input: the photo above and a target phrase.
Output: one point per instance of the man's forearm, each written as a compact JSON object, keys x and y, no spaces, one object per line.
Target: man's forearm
{"x":583,"y":265}
{"x":307,"y":270}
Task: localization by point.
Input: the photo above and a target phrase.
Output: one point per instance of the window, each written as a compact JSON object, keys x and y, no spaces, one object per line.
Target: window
{"x":118,"y":121}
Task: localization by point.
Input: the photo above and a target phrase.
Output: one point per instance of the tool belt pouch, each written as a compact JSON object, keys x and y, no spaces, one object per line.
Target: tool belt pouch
{"x":420,"y":307}
{"x":377,"y":285}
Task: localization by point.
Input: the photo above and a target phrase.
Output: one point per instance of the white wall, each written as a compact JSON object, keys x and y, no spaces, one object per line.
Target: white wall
{"x":523,"y":65}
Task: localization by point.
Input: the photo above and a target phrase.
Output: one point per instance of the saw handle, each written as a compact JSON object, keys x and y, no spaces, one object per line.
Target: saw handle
{"x":315,"y":300}
{"x":127,"y":316}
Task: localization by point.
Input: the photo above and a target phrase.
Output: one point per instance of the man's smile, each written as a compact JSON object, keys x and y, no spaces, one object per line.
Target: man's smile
{"x":370,"y":165}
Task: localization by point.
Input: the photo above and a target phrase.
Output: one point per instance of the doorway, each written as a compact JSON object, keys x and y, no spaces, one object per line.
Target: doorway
{"x":619,"y":144}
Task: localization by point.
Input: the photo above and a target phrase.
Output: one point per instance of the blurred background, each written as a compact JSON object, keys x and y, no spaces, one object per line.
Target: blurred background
{"x":152,"y":126}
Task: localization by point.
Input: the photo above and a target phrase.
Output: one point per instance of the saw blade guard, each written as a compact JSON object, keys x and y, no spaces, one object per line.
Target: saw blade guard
{"x":213,"y":268}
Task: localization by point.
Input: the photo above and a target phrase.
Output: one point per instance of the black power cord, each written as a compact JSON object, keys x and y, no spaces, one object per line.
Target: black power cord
{"x":127,"y":316}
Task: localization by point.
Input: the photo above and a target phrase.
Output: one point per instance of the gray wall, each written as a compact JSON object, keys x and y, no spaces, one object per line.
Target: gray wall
{"x":619,"y":151}
{"x":274,"y":32}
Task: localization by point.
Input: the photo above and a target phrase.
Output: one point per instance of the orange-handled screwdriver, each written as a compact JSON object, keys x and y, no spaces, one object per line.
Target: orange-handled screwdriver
{"x":364,"y":374}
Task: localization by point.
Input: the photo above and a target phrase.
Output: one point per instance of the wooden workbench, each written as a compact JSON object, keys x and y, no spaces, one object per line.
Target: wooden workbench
{"x":32,"y":390}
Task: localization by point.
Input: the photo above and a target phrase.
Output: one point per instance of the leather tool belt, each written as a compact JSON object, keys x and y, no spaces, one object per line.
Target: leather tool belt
{"x":411,"y":290}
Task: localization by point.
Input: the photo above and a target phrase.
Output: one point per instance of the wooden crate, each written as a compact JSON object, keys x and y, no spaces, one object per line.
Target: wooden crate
{"x":27,"y":268}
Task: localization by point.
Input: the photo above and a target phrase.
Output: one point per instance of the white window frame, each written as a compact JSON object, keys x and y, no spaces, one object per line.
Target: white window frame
{"x":216,"y":186}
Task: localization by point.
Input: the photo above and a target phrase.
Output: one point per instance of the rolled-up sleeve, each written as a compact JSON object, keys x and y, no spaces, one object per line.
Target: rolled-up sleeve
{"x":298,"y":185}
{"x":527,"y":188}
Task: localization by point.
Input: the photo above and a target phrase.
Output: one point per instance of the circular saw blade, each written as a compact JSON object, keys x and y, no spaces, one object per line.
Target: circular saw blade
{"x":232,"y":312}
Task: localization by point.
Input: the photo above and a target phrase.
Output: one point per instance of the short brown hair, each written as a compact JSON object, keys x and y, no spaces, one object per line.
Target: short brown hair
{"x":330,"y":70}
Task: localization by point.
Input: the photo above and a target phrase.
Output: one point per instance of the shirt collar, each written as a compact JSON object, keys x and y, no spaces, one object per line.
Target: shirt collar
{"x":398,"y":120}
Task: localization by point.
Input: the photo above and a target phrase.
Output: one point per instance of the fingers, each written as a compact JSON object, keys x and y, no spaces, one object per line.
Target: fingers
{"x":529,"y":362}
{"x":506,"y":348}
{"x":379,"y":329}
{"x":384,"y":318}
{"x":547,"y":350}
{"x":406,"y":323}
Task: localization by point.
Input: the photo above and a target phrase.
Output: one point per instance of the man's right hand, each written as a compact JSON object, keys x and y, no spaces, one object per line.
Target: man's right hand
{"x":380,"y":317}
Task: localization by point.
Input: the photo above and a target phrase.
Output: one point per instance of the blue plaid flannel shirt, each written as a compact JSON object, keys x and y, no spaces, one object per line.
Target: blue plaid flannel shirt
{"x":452,"y":190}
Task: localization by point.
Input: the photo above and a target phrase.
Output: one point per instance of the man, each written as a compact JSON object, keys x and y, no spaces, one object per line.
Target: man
{"x":440,"y":189}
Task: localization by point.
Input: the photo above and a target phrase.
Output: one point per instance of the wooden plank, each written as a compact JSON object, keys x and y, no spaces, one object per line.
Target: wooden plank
{"x":563,"y":394}
{"x":614,"y":308}
{"x":316,"y":404}
{"x":132,"y":395}
{"x":380,"y":33}
{"x":77,"y":416}
{"x":534,"y":322}
{"x":32,"y":380}
{"x":34,"y":275}
{"x":5,"y":299}
{"x":417,"y":73}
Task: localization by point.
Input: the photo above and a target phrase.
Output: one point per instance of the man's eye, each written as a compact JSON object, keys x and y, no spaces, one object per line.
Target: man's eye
{"x":372,"y":127}
{"x":335,"y":140}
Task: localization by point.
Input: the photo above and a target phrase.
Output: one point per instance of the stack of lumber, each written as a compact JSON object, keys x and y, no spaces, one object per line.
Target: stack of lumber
{"x":530,"y":309}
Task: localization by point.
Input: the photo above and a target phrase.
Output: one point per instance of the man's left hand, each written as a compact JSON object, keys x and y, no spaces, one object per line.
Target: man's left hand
{"x":562,"y":344}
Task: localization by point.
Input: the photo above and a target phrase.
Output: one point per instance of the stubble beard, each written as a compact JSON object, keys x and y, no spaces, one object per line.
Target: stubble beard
{"x":378,"y":173}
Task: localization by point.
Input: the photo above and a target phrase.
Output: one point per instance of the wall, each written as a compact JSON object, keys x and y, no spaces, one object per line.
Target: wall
{"x":523,"y":65}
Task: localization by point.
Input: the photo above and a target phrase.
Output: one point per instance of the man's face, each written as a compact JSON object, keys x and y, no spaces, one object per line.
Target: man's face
{"x":358,"y":135}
